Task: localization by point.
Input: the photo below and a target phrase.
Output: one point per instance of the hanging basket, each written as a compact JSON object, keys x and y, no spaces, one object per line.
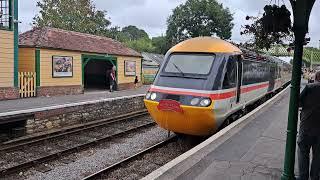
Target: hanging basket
{"x":276,"y":19}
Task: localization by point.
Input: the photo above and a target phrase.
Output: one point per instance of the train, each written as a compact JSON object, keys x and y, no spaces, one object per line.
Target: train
{"x":204,"y":81}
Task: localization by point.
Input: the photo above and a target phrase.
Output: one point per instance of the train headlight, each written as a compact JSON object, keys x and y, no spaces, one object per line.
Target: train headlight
{"x":205,"y":102}
{"x":153,"y":96}
{"x":148,"y":95}
{"x":195,"y":101}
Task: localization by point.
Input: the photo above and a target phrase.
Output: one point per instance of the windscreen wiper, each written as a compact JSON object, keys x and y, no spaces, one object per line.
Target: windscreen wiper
{"x":178,"y":69}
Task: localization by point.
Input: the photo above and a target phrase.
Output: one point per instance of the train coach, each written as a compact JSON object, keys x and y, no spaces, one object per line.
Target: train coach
{"x":204,"y":81}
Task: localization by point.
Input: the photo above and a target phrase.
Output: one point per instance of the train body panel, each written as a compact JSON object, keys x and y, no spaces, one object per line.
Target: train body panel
{"x":192,"y":120}
{"x":203,"y":81}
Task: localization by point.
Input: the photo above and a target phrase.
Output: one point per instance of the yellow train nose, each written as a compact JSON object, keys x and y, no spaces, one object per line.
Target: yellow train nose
{"x":198,"y":121}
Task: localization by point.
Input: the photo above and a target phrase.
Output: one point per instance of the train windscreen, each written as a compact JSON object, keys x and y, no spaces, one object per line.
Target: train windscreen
{"x":196,"y":64}
{"x":192,"y":71}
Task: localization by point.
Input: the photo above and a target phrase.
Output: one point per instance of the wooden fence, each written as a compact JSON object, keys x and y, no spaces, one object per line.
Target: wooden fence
{"x":27,"y":84}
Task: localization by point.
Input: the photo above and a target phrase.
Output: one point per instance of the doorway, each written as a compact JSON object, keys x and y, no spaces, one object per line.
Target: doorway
{"x":96,"y":70}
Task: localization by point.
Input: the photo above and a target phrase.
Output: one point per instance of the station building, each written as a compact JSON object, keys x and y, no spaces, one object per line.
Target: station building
{"x":8,"y":49}
{"x":67,"y":62}
{"x":150,"y":65}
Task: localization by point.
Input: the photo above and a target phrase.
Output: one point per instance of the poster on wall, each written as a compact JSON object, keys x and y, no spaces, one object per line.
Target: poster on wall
{"x":62,"y":66}
{"x":130,"y":68}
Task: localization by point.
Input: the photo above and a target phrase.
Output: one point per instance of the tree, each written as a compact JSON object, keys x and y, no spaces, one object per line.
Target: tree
{"x":141,"y":45}
{"x":199,"y":18}
{"x":134,"y":33}
{"x":115,"y":33}
{"x":161,"y":44}
{"x":73,"y":15}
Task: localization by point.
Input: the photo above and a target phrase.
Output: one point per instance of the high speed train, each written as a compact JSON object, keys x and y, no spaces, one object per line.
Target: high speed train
{"x":204,"y":81}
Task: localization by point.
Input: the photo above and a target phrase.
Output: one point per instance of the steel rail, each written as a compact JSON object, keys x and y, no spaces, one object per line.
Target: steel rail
{"x":100,"y":173}
{"x":60,"y":133}
{"x":67,"y":151}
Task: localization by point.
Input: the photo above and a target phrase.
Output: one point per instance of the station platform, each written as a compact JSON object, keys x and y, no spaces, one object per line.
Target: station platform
{"x":252,"y":148}
{"x":29,"y":104}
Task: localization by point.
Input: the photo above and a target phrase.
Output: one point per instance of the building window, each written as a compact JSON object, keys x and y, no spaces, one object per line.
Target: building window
{"x":5,"y":14}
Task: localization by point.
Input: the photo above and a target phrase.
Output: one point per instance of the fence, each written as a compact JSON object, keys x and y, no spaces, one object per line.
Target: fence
{"x":27,"y":84}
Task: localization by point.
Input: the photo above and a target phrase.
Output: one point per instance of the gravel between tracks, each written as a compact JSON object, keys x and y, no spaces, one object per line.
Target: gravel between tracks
{"x":151,"y":161}
{"x":78,"y":165}
{"x":33,"y":151}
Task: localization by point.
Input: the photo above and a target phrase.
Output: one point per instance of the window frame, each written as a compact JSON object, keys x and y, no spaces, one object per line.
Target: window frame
{"x":233,"y":59}
{"x":10,"y":23}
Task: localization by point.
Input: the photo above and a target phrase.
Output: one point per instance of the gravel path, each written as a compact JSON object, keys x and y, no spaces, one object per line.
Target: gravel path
{"x":79,"y":165}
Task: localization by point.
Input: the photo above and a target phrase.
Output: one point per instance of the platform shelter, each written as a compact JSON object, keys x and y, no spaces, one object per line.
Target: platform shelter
{"x":67,"y":62}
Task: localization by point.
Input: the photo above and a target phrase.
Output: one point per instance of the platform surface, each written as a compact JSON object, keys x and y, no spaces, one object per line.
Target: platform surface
{"x":41,"y":102}
{"x":256,"y":152}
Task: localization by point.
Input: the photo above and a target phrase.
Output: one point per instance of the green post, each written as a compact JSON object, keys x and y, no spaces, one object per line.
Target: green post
{"x":16,"y":41}
{"x":37,"y":56}
{"x":288,"y":173}
{"x":301,"y":12}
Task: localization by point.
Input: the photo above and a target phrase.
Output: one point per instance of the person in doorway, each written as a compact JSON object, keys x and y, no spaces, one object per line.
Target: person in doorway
{"x":309,"y":131}
{"x":136,"y":81}
{"x":112,"y":79}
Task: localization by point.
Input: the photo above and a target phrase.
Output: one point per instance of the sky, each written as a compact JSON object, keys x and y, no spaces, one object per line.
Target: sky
{"x":151,"y":15}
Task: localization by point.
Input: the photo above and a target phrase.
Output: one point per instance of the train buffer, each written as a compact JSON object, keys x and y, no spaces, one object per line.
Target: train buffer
{"x":252,"y":148}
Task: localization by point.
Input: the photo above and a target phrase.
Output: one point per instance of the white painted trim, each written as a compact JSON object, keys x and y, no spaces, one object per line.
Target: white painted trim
{"x":157,"y":173}
{"x":205,"y":91}
{"x":192,"y":90}
{"x":27,"y":111}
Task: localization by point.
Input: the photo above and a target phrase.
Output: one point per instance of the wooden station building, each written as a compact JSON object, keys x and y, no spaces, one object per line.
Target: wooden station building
{"x":65,"y":62}
{"x":9,"y":49}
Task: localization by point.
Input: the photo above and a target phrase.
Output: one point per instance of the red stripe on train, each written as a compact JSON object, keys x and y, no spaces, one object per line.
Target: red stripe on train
{"x":252,"y":88}
{"x":214,"y":96}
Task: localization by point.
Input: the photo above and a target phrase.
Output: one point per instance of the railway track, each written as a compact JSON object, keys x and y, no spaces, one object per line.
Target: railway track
{"x":13,"y":144}
{"x":26,"y":154}
{"x":122,"y":163}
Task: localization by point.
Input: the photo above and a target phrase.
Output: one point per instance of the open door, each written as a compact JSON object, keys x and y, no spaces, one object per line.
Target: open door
{"x":239,"y":78}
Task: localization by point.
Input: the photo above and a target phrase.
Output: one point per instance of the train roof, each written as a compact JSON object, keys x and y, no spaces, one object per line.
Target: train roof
{"x":205,"y":45}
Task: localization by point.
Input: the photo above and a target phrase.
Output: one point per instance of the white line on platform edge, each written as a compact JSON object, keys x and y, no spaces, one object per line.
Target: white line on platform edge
{"x":26,"y":111}
{"x":160,"y":171}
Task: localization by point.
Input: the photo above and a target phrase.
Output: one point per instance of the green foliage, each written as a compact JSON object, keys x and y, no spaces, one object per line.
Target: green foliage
{"x":134,"y":33}
{"x":199,"y":18}
{"x":141,"y":45}
{"x":115,"y":33}
{"x":161,"y":44}
{"x":73,"y":15}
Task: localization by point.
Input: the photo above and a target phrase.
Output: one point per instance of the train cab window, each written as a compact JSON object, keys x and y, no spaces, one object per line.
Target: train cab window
{"x":230,"y":75}
{"x":195,"y":64}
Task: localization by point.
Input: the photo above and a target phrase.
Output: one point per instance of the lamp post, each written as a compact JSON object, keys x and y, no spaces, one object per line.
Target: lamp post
{"x":301,"y":13}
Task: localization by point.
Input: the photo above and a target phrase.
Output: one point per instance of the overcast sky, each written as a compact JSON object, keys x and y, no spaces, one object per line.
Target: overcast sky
{"x":151,"y":15}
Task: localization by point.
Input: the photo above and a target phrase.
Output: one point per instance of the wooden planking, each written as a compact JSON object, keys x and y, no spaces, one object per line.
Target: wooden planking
{"x":27,"y":60}
{"x":4,"y":33}
{"x":6,"y":58}
{"x":46,"y":78}
{"x":121,"y":76}
{"x":27,"y":84}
